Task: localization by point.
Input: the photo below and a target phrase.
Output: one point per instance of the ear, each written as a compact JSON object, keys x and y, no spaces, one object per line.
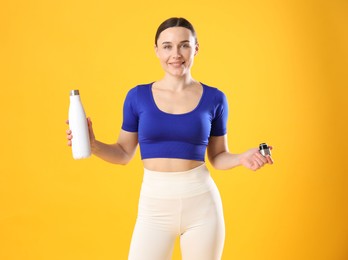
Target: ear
{"x":196,"y":48}
{"x":156,"y":50}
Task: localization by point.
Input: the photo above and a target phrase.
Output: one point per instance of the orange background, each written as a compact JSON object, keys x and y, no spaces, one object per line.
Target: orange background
{"x":283,"y":66}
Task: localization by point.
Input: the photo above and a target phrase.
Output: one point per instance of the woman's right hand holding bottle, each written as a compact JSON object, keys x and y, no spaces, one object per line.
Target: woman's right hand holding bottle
{"x":69,"y":134}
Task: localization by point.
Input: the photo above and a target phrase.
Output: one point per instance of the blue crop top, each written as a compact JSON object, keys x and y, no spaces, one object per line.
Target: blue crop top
{"x":164,"y":135}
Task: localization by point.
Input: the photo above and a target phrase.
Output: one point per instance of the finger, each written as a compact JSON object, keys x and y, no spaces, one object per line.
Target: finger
{"x":257,"y":161}
{"x":69,"y":143}
{"x":90,"y":128}
{"x":255,"y":166}
{"x":89,"y":121}
{"x":67,"y":121}
{"x":261,"y":157}
{"x":250,"y":164}
{"x":269,"y":159}
{"x":68,"y":131}
{"x":69,"y":137}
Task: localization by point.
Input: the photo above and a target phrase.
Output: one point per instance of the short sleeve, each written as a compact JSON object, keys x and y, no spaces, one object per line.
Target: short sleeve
{"x":130,"y":112}
{"x":219,"y":121}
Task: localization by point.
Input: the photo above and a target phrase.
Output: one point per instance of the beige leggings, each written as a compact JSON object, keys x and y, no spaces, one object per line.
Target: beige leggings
{"x":185,"y":204}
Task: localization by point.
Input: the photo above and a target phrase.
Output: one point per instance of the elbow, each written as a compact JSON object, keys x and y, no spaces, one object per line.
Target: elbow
{"x":224,"y":161}
{"x":124,"y":157}
{"x":125,"y":160}
{"x":215,"y":163}
{"x":218,"y":166}
{"x":121,"y":163}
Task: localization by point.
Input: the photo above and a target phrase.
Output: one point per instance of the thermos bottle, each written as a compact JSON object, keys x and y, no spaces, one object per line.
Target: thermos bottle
{"x":80,"y":144}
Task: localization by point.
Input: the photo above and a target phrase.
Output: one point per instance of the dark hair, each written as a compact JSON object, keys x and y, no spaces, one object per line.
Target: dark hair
{"x":175,"y":22}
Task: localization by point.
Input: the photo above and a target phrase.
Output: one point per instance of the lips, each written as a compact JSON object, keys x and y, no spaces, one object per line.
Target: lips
{"x":177,"y":63}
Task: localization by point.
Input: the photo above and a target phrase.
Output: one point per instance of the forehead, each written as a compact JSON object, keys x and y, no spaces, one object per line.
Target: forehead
{"x":175,"y":34}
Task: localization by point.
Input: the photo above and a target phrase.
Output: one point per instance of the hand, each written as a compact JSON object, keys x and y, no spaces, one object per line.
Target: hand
{"x":69,"y":135}
{"x":254,"y":160}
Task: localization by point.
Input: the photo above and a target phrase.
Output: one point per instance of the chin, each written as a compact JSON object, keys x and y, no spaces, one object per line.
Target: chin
{"x":178,"y":73}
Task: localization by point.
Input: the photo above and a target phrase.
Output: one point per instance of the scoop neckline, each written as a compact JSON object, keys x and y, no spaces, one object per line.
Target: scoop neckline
{"x":181,"y":114}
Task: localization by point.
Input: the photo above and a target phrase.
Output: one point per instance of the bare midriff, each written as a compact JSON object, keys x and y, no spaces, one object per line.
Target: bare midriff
{"x":170,"y":165}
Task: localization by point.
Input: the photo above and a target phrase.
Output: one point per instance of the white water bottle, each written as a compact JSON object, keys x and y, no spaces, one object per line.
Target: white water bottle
{"x":80,"y":144}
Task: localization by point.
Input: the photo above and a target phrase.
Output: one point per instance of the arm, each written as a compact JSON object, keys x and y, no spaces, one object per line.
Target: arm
{"x":222,"y":159}
{"x":119,"y":153}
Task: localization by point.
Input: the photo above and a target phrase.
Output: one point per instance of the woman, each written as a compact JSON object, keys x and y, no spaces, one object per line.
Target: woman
{"x":175,"y":120}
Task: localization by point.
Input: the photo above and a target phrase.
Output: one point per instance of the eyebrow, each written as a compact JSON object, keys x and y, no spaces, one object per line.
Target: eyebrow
{"x":171,"y":42}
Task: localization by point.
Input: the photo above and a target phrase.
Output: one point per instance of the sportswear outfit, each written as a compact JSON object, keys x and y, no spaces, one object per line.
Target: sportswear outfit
{"x":171,"y":204}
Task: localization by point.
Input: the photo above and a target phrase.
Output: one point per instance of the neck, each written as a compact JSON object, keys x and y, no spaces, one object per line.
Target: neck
{"x":177,"y":83}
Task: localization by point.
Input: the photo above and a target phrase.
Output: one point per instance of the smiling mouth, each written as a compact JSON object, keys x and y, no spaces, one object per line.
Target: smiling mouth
{"x":176,"y":64}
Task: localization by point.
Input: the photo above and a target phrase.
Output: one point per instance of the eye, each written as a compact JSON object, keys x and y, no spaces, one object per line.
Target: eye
{"x":167,"y":47}
{"x":186,"y":45}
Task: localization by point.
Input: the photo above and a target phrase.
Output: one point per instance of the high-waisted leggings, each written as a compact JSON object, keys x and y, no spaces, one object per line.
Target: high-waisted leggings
{"x":172,"y":204}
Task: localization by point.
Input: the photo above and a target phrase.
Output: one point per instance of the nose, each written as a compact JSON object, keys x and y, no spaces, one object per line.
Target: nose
{"x":176,"y":52}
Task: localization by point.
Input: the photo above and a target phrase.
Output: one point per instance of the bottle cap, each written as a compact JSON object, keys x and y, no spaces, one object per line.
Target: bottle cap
{"x":74,"y":92}
{"x":263,"y":146}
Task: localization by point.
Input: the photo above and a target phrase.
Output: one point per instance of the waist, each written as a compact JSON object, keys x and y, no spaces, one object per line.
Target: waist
{"x":159,"y":184}
{"x":170,"y":164}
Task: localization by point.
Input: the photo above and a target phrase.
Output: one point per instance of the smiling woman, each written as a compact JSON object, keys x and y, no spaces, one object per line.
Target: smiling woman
{"x":176,"y":48}
{"x":176,"y":45}
{"x":176,"y":120}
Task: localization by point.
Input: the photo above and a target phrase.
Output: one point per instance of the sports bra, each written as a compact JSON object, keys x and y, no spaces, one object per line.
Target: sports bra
{"x":165,"y":135}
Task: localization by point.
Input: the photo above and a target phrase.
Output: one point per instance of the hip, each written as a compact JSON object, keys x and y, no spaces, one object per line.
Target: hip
{"x":179,"y":184}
